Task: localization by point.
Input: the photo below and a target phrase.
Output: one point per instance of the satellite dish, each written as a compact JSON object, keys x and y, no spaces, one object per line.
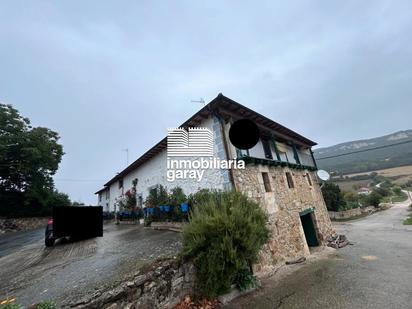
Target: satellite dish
{"x":323,"y":175}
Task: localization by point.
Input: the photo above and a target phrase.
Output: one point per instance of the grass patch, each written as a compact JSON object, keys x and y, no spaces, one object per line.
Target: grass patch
{"x":408,"y":221}
{"x":395,"y":198}
{"x":399,"y":198}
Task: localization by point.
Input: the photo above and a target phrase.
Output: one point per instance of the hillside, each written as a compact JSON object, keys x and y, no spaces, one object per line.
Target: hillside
{"x":393,"y":156}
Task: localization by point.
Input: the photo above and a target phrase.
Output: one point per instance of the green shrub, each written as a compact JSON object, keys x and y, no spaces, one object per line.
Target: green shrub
{"x":408,"y":221}
{"x":11,"y":306}
{"x":397,"y":190}
{"x":199,"y":197}
{"x":225,"y":233}
{"x":177,"y":197}
{"x":373,"y":199}
{"x":244,"y":279}
{"x":47,"y":304}
{"x":147,"y":221}
{"x":157,"y":196}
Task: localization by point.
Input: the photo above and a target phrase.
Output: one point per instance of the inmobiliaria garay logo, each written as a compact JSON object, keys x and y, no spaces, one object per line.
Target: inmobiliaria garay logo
{"x":191,"y":152}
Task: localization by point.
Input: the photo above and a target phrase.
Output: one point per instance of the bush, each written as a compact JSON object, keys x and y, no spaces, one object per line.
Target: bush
{"x":11,"y":306}
{"x":199,"y":197}
{"x":157,"y":196}
{"x":408,"y":221}
{"x":244,"y":279}
{"x":397,"y":191}
{"x":225,"y":233}
{"x":48,"y":304}
{"x":373,"y":199}
{"x":177,"y":196}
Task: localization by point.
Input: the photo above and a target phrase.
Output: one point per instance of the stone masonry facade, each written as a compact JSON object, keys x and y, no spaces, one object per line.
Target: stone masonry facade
{"x":284,"y":205}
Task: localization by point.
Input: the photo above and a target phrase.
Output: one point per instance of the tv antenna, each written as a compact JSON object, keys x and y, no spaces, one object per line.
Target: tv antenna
{"x":127,"y":156}
{"x":201,"y":101}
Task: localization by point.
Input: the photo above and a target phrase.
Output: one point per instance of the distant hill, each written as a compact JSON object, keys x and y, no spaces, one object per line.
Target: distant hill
{"x":393,"y":156}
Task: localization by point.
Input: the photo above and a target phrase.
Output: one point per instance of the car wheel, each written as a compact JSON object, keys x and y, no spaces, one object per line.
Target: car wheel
{"x":49,"y":241}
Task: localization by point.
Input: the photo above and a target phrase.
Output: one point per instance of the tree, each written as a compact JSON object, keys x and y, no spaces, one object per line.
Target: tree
{"x":382,"y":191}
{"x":29,"y":157}
{"x":157,"y":196}
{"x":397,"y":190}
{"x":373,"y":199}
{"x":177,"y":196}
{"x":351,"y":197}
{"x":75,"y":203}
{"x":333,"y":196}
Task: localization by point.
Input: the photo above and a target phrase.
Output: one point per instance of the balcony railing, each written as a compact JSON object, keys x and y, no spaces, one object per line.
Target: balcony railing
{"x":254,"y":160}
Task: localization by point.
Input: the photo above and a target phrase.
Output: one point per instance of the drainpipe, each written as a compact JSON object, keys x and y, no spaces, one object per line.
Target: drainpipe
{"x":295,"y":153}
{"x":313,"y":159}
{"x":222,"y":132}
{"x":276,"y":147}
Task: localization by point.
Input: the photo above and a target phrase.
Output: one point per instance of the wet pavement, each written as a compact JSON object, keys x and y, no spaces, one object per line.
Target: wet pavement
{"x":30,"y":272}
{"x":374,"y":272}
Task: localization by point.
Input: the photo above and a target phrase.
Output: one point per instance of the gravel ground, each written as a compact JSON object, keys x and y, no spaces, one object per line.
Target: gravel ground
{"x":30,"y":272}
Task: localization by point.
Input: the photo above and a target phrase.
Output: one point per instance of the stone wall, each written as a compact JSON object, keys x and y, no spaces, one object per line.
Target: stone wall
{"x":21,"y":224}
{"x":346,"y":214}
{"x":283,"y":206}
{"x":161,"y":285}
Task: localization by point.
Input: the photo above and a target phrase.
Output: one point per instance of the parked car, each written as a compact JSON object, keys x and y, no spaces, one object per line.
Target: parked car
{"x":49,"y":239}
{"x":77,"y":222}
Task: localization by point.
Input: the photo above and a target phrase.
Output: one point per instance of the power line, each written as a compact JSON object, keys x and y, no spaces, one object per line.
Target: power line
{"x":364,"y":150}
{"x":79,"y":180}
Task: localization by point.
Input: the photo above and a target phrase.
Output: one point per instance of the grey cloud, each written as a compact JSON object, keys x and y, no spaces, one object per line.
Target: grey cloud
{"x":109,"y":76}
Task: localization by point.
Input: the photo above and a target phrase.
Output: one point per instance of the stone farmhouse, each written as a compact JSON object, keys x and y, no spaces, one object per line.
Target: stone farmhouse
{"x":279,"y":174}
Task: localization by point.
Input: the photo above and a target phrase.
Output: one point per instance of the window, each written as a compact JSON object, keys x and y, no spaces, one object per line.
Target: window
{"x":266,"y":149}
{"x":290,"y":180}
{"x":282,"y":152}
{"x":120,"y":183}
{"x":107,"y":194}
{"x":309,"y":180}
{"x":283,"y":156}
{"x":140,"y":201}
{"x":100,"y":197}
{"x":266,"y":182}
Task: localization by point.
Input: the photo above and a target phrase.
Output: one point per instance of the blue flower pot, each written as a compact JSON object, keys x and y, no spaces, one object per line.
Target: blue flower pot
{"x":184,"y":207}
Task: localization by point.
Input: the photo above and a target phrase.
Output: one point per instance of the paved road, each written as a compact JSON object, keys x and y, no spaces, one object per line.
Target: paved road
{"x":376,"y":272}
{"x":31,"y":272}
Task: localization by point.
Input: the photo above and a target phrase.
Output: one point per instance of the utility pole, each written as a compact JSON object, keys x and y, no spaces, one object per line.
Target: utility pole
{"x":201,"y":101}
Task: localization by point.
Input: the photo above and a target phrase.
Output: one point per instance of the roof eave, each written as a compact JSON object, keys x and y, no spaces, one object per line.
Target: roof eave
{"x":205,"y":111}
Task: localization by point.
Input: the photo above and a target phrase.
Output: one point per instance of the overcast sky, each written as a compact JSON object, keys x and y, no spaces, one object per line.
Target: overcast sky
{"x":113,"y":76}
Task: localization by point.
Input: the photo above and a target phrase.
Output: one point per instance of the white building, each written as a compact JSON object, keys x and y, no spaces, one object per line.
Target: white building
{"x":277,"y":143}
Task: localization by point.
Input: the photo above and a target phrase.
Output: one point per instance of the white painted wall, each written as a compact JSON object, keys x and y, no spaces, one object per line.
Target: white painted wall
{"x":104,"y":201}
